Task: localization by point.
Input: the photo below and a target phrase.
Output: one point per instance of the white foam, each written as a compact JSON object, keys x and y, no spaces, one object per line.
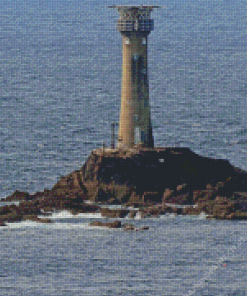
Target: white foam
{"x":53,"y":225}
{"x":171,"y":215}
{"x":128,"y":217}
{"x":89,"y":215}
{"x":68,"y":226}
{"x":68,"y":215}
{"x":23,"y":224}
{"x":138,"y":216}
{"x":7,"y":203}
{"x":202,"y":215}
{"x":132,"y":208}
{"x":89,"y":202}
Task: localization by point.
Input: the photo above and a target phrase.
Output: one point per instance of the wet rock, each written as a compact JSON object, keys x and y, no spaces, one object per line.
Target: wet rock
{"x":144,"y":228}
{"x":132,"y":214}
{"x":145,"y":178}
{"x":239,"y":196}
{"x":18,"y":196}
{"x":152,"y":197}
{"x":181,"y":187}
{"x":96,"y":223}
{"x":28,"y":208}
{"x":206,"y":206}
{"x":11,"y":217}
{"x":10,"y":214}
{"x":114,"y":213}
{"x":135,"y":200}
{"x":238,"y":215}
{"x":115,"y":224}
{"x":224,"y":208}
{"x":73,"y":181}
{"x":193,"y":210}
{"x":167,"y":195}
{"x":204,"y":195}
{"x":128,"y":227}
{"x":113,"y":201}
{"x":157,"y":210}
{"x":144,"y":215}
{"x":7,"y":209}
{"x":36,"y":219}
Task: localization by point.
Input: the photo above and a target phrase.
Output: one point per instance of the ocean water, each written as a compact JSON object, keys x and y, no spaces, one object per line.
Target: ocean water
{"x":60,"y":80}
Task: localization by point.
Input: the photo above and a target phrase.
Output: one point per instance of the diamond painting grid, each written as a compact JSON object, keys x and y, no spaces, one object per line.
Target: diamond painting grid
{"x":43,"y":135}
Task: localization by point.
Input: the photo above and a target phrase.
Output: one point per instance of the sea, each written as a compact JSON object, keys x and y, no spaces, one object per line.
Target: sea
{"x":60,"y":85}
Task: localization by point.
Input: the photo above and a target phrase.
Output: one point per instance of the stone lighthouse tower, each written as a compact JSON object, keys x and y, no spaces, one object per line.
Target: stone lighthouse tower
{"x":135,"y":126}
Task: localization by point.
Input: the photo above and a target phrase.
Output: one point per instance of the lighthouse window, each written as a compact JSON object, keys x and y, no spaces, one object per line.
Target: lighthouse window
{"x":145,"y":102}
{"x":143,"y":138}
{"x":133,"y":61}
{"x":127,"y":41}
{"x":144,"y":41}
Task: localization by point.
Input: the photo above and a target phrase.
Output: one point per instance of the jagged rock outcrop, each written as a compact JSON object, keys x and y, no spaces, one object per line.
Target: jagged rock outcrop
{"x":142,"y":177}
{"x":17,"y":196}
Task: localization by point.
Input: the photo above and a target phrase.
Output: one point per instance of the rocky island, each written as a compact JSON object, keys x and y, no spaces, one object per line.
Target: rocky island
{"x":152,"y":181}
{"x":143,"y":179}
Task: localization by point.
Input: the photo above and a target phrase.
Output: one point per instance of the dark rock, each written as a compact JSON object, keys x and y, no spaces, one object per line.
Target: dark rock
{"x":238,"y":215}
{"x":143,"y":169}
{"x":156,"y":210}
{"x":113,"y":201}
{"x":28,"y":208}
{"x":239,"y":196}
{"x":36,"y":219}
{"x":145,"y":178}
{"x":206,"y":207}
{"x":115,"y":224}
{"x":135,"y":200}
{"x":128,"y":227}
{"x":141,"y":176}
{"x":11,"y":217}
{"x":167,"y":195}
{"x":7,"y":209}
{"x":10,"y":214}
{"x":132,"y":214}
{"x":73,"y":181}
{"x":193,"y":210}
{"x":96,"y":223}
{"x":112,"y":213}
{"x":180,"y":188}
{"x":18,"y":196}
{"x":152,"y":197}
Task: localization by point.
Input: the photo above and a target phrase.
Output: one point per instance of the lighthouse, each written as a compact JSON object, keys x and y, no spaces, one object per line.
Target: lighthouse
{"x":135,"y":125}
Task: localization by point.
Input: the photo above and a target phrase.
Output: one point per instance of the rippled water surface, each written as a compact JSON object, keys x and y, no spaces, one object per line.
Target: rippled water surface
{"x":60,"y":80}
{"x":176,"y":256}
